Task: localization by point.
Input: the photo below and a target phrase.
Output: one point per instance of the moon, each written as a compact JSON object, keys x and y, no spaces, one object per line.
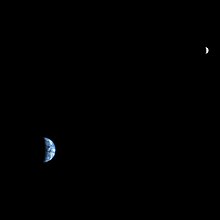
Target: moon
{"x":50,"y":149}
{"x":206,"y":50}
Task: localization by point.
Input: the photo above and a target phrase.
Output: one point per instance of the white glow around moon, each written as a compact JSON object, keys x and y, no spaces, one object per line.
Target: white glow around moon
{"x":206,"y":50}
{"x":50,"y":150}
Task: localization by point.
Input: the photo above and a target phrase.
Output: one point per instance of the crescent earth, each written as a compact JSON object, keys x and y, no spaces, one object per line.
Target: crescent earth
{"x":50,"y":149}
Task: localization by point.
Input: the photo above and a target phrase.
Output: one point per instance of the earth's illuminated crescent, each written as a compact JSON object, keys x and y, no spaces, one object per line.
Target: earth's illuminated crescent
{"x":50,"y":149}
{"x":206,"y":50}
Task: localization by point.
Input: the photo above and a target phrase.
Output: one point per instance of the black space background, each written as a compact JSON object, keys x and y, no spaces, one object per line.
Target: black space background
{"x":131,"y":108}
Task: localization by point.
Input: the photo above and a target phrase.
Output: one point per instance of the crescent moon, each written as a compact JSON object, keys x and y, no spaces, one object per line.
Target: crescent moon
{"x":206,"y":50}
{"x":50,"y":149}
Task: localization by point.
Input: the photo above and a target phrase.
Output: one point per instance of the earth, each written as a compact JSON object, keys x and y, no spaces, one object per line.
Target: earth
{"x":50,"y":149}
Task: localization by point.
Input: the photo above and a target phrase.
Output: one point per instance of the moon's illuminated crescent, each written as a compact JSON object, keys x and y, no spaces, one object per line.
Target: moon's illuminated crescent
{"x":206,"y":50}
{"x":50,"y":149}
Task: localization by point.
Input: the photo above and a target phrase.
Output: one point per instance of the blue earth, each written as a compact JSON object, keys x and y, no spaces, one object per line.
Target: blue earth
{"x":50,"y":150}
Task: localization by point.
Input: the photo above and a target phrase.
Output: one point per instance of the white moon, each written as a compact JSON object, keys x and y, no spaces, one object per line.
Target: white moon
{"x":50,"y":149}
{"x":206,"y":50}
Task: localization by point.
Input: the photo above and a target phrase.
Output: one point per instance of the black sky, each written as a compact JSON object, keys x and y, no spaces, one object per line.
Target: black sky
{"x":126,"y":106}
